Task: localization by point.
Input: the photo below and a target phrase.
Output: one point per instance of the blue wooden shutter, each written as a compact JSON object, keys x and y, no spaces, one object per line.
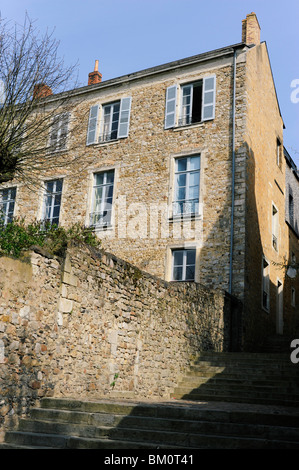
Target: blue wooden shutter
{"x":54,"y":133}
{"x":63,"y":130}
{"x":208,"y":98}
{"x":92,"y":125}
{"x":124,"y":117}
{"x":170,"y":107}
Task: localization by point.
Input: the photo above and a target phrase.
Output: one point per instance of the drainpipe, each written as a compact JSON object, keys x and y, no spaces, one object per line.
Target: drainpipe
{"x":233,"y":179}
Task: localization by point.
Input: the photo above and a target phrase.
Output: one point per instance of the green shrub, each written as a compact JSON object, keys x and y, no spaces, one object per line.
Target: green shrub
{"x":16,"y":237}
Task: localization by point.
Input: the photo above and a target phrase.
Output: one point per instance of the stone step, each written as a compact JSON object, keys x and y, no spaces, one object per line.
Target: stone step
{"x":111,"y":414}
{"x":55,"y":441}
{"x":244,"y":366}
{"x":209,"y":371}
{"x":208,"y":397}
{"x":241,"y":377}
{"x":167,"y":431}
{"x":71,"y":424}
{"x":241,"y":385}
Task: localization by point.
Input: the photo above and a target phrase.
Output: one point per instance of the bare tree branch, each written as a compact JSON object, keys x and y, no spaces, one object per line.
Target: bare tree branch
{"x":31,"y":75}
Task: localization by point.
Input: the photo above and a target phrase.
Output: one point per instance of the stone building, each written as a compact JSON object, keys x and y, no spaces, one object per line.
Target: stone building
{"x":181,"y":172}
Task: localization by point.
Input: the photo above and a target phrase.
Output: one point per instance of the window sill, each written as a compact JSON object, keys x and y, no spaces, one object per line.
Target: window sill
{"x":265,"y":309}
{"x":184,"y":217}
{"x":55,"y":151}
{"x":101,"y":228}
{"x":188,"y":126}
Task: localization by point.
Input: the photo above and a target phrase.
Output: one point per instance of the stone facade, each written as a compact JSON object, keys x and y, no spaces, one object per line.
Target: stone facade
{"x":92,"y":325}
{"x":239,"y":175}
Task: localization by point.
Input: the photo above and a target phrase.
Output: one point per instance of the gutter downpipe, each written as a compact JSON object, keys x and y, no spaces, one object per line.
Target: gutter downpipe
{"x":233,"y":179}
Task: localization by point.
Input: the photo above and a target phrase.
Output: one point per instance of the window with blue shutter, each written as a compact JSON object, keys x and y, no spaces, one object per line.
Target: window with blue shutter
{"x":114,"y":123}
{"x":170,"y":108}
{"x":92,"y":125}
{"x":196,"y":102}
{"x":208,"y":98}
{"x":124,"y":118}
{"x":59,"y":132}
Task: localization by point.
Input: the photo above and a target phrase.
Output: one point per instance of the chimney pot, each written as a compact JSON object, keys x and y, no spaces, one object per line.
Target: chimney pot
{"x":95,"y":76}
{"x":41,"y":90}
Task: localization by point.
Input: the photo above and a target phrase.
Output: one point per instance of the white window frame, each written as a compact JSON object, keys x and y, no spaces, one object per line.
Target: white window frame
{"x":171,"y":100}
{"x":104,"y":185}
{"x":187,"y":172}
{"x":6,"y":214}
{"x":52,"y":194}
{"x":106,"y":134}
{"x":58,"y":143}
{"x":266,"y":284}
{"x":96,"y":124}
{"x":184,"y":265}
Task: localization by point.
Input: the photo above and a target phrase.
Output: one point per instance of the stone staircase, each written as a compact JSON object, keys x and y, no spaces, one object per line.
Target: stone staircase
{"x":225,"y":401}
{"x":71,"y":424}
{"x":256,"y":378}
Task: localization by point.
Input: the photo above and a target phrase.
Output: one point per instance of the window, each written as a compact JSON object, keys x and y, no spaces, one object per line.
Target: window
{"x":291,"y":210}
{"x":197,"y":102}
{"x":110,"y":121}
{"x":191,"y":104}
{"x":7,"y":204}
{"x":114,"y":121}
{"x":59,"y":130}
{"x":183,"y":265}
{"x":186,"y":186}
{"x":278,"y":152}
{"x":102,"y":197}
{"x":52,"y":201}
{"x":275,"y":228}
{"x":265,"y":285}
{"x":293,"y":297}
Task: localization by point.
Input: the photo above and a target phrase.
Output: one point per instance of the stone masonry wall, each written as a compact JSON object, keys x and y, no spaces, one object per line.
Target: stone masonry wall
{"x":144,"y":172}
{"x":93,"y":325}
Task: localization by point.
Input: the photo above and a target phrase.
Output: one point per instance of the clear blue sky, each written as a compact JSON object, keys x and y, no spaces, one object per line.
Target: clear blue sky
{"x":130,"y":35}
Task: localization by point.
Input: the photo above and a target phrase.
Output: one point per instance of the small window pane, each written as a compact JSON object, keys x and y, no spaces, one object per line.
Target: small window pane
{"x":190,"y":273}
{"x":178,"y":274}
{"x":194,"y":179}
{"x":178,"y":258}
{"x":209,"y":83}
{"x":190,"y":256}
{"x":181,"y":179}
{"x":182,"y":164}
{"x":194,"y":163}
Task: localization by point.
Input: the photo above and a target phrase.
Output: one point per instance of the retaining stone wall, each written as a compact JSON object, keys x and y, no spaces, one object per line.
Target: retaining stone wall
{"x":92,"y":325}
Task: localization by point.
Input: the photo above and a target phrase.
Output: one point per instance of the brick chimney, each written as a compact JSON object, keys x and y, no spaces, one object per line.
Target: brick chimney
{"x":95,"y":76}
{"x":41,"y":91}
{"x":251,"y":31}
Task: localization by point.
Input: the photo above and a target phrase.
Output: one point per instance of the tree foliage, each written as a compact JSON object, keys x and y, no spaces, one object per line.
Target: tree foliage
{"x":16,"y":236}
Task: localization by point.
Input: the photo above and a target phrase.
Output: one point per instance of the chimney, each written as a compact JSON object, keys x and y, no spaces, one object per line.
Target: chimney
{"x":251,"y":31}
{"x":95,"y":76}
{"x":41,"y":91}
